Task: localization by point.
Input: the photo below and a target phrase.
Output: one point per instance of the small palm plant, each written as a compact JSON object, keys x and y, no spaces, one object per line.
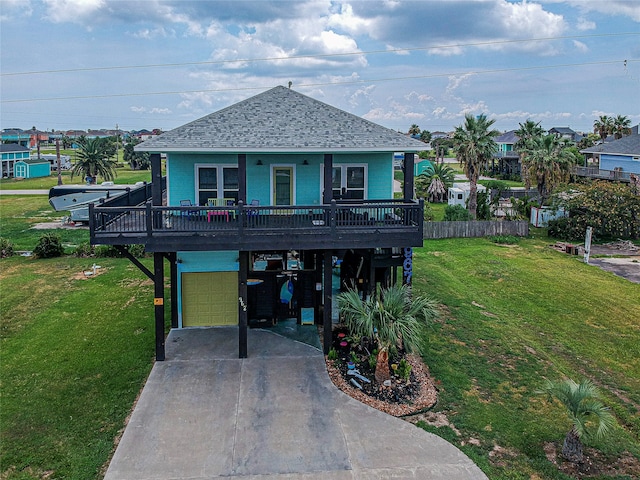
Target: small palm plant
{"x":392,"y":317}
{"x":584,"y":407}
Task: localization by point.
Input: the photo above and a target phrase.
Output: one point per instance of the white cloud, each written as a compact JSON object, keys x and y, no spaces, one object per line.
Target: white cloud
{"x":15,"y":8}
{"x":74,"y":11}
{"x":583,"y":24}
{"x":580,"y":46}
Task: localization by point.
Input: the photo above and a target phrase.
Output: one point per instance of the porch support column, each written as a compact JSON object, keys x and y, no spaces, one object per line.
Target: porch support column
{"x":242,"y":177}
{"x":408,"y":176}
{"x":158,"y":302}
{"x":327,"y":195}
{"x":173,"y":274}
{"x":243,"y":303}
{"x":156,"y":179}
{"x":328,"y":286}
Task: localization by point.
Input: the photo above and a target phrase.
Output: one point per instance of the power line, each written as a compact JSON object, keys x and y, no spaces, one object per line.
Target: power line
{"x":346,"y":82}
{"x":325,"y":55}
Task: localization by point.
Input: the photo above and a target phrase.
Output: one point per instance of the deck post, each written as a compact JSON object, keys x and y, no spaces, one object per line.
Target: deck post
{"x":408,"y":176}
{"x":327,"y":195}
{"x":242,"y":177}
{"x":173,"y":273}
{"x":158,"y":302}
{"x":328,"y":287}
{"x":242,"y":303}
{"x":156,"y":179}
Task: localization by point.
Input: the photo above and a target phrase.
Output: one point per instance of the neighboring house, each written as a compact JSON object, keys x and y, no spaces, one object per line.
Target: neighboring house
{"x":617,"y":159}
{"x":264,"y":198}
{"x":11,"y":153}
{"x":506,"y":155}
{"x":566,"y":132}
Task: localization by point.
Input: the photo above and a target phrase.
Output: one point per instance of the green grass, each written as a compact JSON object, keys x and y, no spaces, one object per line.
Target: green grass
{"x":515,"y":316}
{"x":19,"y":213}
{"x":74,"y":353}
{"x":124,"y":176}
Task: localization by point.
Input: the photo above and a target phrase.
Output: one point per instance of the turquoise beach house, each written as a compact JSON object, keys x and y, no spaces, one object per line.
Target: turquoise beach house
{"x":263,"y":199}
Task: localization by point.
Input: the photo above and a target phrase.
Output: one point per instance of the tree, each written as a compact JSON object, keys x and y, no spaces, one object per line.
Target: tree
{"x":589,"y":140}
{"x":528,"y":133}
{"x":612,"y":209}
{"x":414,"y":130}
{"x":433,"y":183}
{"x":603,"y":126}
{"x":474,"y":146}
{"x":392,"y":317}
{"x":548,"y":163}
{"x":425,"y":136}
{"x":93,"y":159}
{"x":621,"y":126}
{"x":584,"y":408}
{"x":137,"y":160}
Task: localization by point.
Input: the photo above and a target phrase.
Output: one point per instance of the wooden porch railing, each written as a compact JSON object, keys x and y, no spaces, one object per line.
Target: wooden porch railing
{"x":149,"y":224}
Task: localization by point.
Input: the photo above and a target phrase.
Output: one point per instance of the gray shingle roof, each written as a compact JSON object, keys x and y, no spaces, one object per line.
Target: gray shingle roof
{"x":629,"y":145}
{"x":12,"y":147}
{"x":281,"y":120}
{"x":507,"y":137}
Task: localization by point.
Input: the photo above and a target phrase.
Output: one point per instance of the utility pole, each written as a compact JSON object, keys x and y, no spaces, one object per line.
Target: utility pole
{"x":116,"y":143}
{"x":58,"y":160}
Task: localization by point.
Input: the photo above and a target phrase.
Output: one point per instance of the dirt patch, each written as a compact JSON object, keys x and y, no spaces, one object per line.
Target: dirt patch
{"x":60,"y":224}
{"x":595,"y":463}
{"x":89,"y":273}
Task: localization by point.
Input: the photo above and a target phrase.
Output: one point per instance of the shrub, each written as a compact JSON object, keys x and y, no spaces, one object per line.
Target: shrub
{"x":85,"y":249}
{"x":504,"y":239}
{"x":611,"y":209}
{"x":333,"y":354}
{"x":111,"y":251}
{"x":48,"y":246}
{"x":456,"y":213}
{"x":6,"y":248}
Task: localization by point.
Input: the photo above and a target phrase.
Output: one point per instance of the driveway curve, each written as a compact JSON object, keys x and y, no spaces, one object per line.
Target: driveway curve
{"x":204,"y":413}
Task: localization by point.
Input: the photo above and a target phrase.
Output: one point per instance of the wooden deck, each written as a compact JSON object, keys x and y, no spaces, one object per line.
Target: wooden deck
{"x":363,"y":224}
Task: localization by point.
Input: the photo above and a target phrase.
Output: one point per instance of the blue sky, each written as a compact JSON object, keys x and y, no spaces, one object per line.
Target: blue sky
{"x":159,"y":64}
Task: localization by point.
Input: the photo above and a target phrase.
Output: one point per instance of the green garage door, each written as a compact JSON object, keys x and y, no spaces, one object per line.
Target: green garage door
{"x":209,"y":299}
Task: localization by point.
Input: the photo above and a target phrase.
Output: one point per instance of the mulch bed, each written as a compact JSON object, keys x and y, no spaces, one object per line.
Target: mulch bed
{"x":400,"y":398}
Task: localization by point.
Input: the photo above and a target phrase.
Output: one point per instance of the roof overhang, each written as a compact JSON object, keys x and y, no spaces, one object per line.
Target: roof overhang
{"x":275,"y":150}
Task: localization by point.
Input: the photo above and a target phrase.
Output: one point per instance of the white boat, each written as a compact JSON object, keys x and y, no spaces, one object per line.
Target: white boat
{"x":76,"y":198}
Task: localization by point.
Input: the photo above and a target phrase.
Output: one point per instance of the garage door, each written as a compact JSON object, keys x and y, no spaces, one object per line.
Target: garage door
{"x":209,"y":298}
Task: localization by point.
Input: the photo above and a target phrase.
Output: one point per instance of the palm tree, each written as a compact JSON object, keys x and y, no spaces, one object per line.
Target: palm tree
{"x":584,"y":407}
{"x":548,"y":163}
{"x":414,"y":130}
{"x":93,"y":159}
{"x":621,"y":126}
{"x":603,"y":126}
{"x":474,"y":146}
{"x":391,"y":317}
{"x":425,"y":136}
{"x":433,"y":183}
{"x":528,"y":133}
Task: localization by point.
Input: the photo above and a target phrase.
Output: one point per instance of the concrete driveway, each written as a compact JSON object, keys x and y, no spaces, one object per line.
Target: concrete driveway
{"x":204,"y":413}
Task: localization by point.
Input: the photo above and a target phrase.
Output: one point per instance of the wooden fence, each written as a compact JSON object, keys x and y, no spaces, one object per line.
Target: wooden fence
{"x":481,"y":228}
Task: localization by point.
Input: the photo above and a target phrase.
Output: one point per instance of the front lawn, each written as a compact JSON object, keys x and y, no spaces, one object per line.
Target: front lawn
{"x":516,"y":315}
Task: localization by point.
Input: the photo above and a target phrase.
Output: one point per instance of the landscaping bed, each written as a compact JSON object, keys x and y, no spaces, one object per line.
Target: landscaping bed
{"x":403,"y":395}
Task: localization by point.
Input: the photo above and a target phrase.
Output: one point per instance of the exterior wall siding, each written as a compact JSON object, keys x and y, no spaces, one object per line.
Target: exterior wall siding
{"x":610,"y":162}
{"x":181,"y":174}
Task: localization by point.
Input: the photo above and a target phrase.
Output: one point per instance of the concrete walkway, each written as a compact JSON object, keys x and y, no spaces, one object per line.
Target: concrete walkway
{"x":204,"y":413}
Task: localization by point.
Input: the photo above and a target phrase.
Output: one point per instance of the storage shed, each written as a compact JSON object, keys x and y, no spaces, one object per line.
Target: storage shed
{"x":32,"y":168}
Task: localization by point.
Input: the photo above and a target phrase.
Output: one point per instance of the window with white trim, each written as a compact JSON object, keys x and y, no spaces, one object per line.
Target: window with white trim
{"x":216,"y":181}
{"x":349,"y":181}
